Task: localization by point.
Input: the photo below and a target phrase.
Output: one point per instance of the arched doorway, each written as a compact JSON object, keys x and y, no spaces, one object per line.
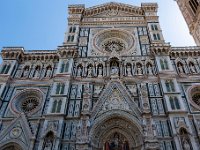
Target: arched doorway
{"x":185,"y":139}
{"x":48,"y":141}
{"x":116,"y":132}
{"x":11,"y":146}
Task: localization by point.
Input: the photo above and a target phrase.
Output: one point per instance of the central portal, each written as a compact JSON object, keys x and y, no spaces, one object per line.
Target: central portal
{"x":116,"y":141}
{"x":116,"y":133}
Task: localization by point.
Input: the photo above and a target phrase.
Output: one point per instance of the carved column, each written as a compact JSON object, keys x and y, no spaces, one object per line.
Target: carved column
{"x":84,"y":123}
{"x":150,"y":141}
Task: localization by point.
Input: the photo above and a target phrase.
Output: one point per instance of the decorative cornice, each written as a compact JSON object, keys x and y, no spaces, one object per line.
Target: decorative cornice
{"x":185,"y":51}
{"x":113,"y":6}
{"x":68,"y":51}
{"x":160,"y":48}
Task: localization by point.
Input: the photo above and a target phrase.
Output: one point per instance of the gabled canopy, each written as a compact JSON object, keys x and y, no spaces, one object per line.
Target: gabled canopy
{"x":113,"y":6}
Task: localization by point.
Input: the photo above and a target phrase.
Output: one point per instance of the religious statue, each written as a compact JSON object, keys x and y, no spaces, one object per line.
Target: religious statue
{"x":37,"y":73}
{"x":48,"y":145}
{"x":79,"y":131}
{"x":90,"y":72}
{"x":67,"y":131}
{"x":77,"y":109}
{"x":149,"y":70}
{"x":48,"y":72}
{"x":79,"y":91}
{"x":100,"y":71}
{"x":133,"y":89}
{"x":139,"y":70}
{"x":185,"y":143}
{"x":114,"y":69}
{"x":97,"y":90}
{"x":26,"y":72}
{"x":79,"y":71}
{"x":180,"y":69}
{"x":128,"y":70}
{"x":73,"y":92}
{"x":192,"y":68}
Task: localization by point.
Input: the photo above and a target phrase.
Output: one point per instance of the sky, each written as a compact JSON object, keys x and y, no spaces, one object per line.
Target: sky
{"x":41,"y":24}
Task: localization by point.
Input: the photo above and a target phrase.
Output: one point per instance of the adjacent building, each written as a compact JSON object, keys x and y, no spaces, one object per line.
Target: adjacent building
{"x":114,"y":84}
{"x":191,"y":12}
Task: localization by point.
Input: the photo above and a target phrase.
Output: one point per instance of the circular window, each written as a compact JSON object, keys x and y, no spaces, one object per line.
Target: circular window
{"x":194,"y":96}
{"x":113,"y":40}
{"x":29,"y":104}
{"x":28,"y":101}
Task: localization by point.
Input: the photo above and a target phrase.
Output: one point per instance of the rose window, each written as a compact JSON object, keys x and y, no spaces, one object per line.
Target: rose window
{"x":114,"y":45}
{"x":112,"y":40}
{"x":29,"y":104}
{"x":28,"y":101}
{"x":196,"y":98}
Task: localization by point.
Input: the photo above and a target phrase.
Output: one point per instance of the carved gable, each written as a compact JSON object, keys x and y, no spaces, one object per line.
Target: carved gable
{"x":112,"y":10}
{"x":18,"y":131}
{"x":115,"y":101}
{"x":115,"y":97}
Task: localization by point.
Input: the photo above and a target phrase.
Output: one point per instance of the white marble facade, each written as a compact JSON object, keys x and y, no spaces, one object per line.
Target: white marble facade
{"x":114,"y":84}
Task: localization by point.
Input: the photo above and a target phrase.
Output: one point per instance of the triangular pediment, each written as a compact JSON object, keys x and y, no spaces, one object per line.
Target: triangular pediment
{"x":18,"y":131}
{"x":113,"y":9}
{"x":115,"y":97}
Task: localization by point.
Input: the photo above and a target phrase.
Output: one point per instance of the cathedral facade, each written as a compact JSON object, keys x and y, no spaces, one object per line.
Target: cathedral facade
{"x":191,"y":12}
{"x":114,"y":84}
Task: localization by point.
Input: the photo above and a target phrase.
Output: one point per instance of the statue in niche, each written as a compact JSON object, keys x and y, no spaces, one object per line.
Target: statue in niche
{"x":73,"y":130}
{"x":67,"y":131}
{"x":139,"y":70}
{"x":73,"y":92}
{"x":79,"y":71}
{"x":25,"y":72}
{"x":114,"y":69}
{"x":149,"y":69}
{"x":77,"y":108}
{"x":48,"y":141}
{"x":180,"y":68}
{"x":86,"y":128}
{"x":79,"y":131}
{"x":48,"y":72}
{"x":71,"y":107}
{"x":133,"y":89}
{"x":186,"y":145}
{"x":79,"y":91}
{"x":86,"y":105}
{"x":37,"y":72}
{"x":129,"y":70}
{"x":90,"y":72}
{"x":140,"y":31}
{"x":157,"y":89}
{"x":48,"y":145}
{"x":100,"y":71}
{"x":97,"y":90}
{"x":192,"y":68}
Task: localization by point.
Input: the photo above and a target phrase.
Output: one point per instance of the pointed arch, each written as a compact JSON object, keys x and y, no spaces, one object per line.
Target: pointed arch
{"x":134,"y":110}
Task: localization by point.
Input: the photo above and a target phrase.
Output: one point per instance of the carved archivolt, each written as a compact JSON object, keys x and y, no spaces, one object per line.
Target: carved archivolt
{"x":116,"y":122}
